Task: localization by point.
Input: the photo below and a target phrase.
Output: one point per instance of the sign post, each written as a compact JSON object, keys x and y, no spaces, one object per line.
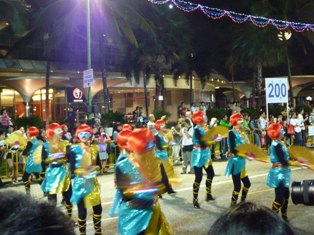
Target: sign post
{"x":88,"y":78}
{"x":276,"y":92}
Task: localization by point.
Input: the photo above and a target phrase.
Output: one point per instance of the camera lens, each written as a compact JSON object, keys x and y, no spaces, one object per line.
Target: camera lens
{"x":303,"y":192}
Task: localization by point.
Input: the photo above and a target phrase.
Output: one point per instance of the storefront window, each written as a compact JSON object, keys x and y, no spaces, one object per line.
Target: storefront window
{"x":13,"y":102}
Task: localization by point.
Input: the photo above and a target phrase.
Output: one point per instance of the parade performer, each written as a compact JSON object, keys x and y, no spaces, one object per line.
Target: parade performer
{"x":236,"y":164}
{"x":33,"y":147}
{"x":279,"y":175}
{"x":139,"y":211}
{"x":57,"y":178}
{"x":15,"y":144}
{"x":122,"y":142}
{"x":201,"y":158}
{"x":161,"y":152}
{"x":86,"y":189}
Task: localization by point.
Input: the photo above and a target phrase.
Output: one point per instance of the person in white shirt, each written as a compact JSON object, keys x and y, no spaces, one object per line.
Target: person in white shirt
{"x":297,"y":129}
{"x":187,"y":146}
{"x":262,"y":124}
{"x":189,"y":117}
{"x":194,"y":108}
{"x":203,"y":107}
{"x":300,"y":137}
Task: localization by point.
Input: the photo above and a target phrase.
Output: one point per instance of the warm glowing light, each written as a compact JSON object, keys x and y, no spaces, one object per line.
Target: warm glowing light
{"x":284,"y":35}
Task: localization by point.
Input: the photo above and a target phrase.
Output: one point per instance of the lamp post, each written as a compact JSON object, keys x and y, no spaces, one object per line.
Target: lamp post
{"x":89,"y":58}
{"x":285,"y":36}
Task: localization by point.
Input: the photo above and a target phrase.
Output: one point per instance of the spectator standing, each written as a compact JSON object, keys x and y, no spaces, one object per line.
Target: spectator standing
{"x":181,"y":110}
{"x":256,"y":132}
{"x":194,"y":108}
{"x":262,"y":123}
{"x":203,"y":107}
{"x":177,"y":137}
{"x":301,"y":121}
{"x":187,"y":132}
{"x":5,"y":120}
{"x":151,"y":123}
{"x":223,"y":143}
{"x":104,"y":150}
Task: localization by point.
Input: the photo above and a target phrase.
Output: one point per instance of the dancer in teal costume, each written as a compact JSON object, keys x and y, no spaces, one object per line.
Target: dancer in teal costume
{"x":57,"y":178}
{"x":31,"y":166}
{"x":201,"y":159}
{"x":236,"y":164}
{"x":86,"y":189}
{"x":136,"y":200}
{"x":279,"y":175}
{"x":161,"y":152}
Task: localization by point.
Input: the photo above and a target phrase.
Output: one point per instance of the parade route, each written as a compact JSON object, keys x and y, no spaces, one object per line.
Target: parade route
{"x":179,"y":210}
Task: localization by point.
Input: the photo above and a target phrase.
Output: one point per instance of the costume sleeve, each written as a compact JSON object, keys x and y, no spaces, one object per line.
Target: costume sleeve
{"x":232,"y":143}
{"x":122,"y":181}
{"x":44,"y":154}
{"x":280,"y":154}
{"x":158,"y":142}
{"x":71,"y":158}
{"x":198,"y":137}
{"x":27,"y":148}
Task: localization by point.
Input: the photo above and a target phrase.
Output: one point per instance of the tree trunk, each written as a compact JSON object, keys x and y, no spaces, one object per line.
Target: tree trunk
{"x":163,"y":93}
{"x":106,"y":91}
{"x":47,"y":90}
{"x":145,"y":94}
{"x":289,"y":79}
{"x":259,"y":80}
{"x":254,"y":89}
{"x":191,"y":89}
{"x":233,"y":91}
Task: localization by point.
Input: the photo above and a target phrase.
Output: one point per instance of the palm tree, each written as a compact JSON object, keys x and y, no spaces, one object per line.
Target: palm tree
{"x":257,"y":48}
{"x":299,"y":11}
{"x":157,"y":57}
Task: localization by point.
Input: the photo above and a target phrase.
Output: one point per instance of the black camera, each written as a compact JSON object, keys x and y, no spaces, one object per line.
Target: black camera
{"x":303,"y":192}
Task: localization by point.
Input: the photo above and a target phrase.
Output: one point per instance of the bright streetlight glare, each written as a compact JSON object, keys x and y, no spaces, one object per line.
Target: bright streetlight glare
{"x":284,"y":35}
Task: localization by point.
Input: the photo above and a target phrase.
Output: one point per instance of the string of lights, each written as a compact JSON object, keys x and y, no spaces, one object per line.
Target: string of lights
{"x":216,"y":13}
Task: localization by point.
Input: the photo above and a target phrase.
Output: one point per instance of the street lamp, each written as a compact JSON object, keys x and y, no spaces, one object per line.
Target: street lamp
{"x":89,"y":58}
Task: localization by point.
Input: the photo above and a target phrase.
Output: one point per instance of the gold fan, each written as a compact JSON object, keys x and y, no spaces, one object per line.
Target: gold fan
{"x":16,"y":138}
{"x":302,"y":155}
{"x":37,"y":154}
{"x":215,"y":134}
{"x":252,"y":152}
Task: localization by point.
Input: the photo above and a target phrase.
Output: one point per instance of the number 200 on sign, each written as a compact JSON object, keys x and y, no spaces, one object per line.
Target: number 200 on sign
{"x":277,"y":90}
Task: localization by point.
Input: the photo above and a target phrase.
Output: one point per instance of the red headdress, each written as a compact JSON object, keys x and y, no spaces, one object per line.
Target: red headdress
{"x":83,"y":128}
{"x":122,"y":139}
{"x":33,"y":131}
{"x":274,"y":130}
{"x":159,"y":123}
{"x":234,"y":118}
{"x":63,"y":126}
{"x":141,"y":140}
{"x":127,"y":127}
{"x":198,"y":117}
{"x":52,"y":129}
